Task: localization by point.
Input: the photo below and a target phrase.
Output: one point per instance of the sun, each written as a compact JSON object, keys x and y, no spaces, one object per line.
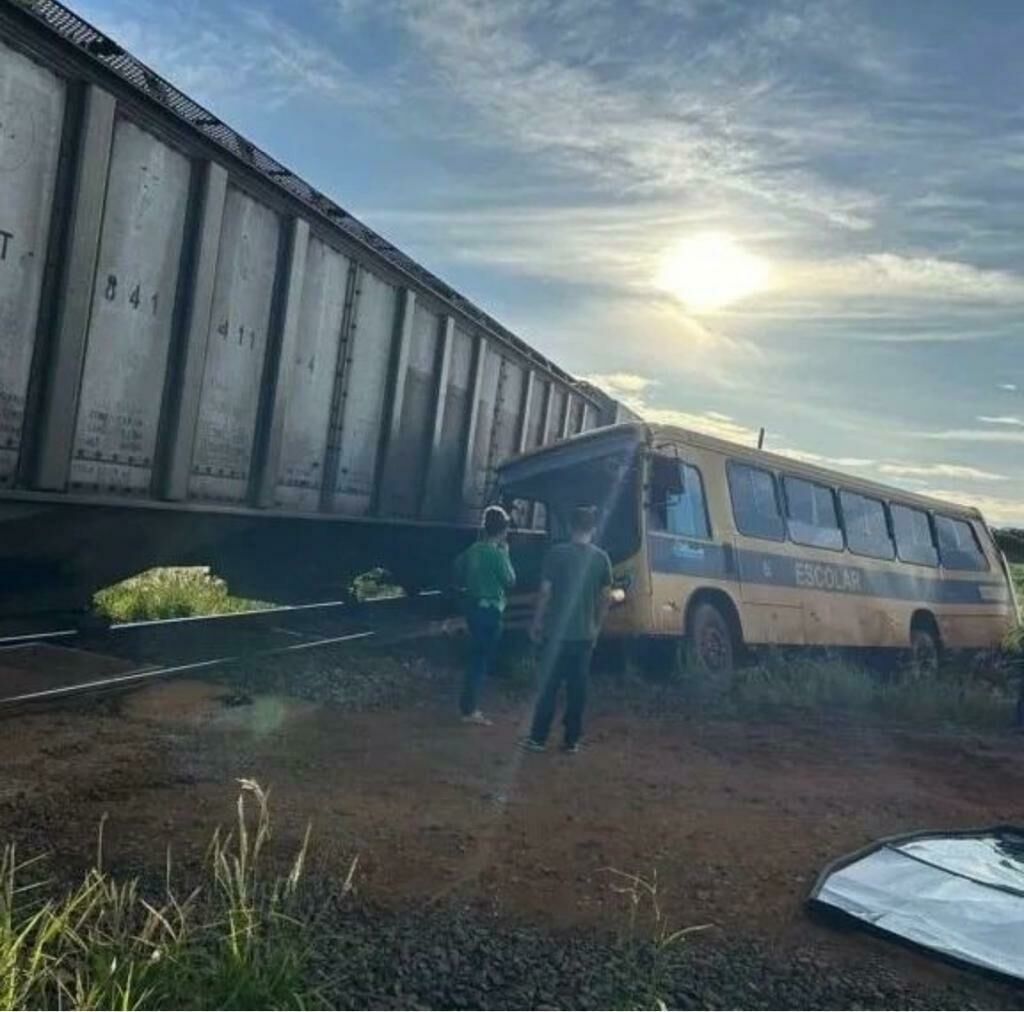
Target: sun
{"x":711,"y":270}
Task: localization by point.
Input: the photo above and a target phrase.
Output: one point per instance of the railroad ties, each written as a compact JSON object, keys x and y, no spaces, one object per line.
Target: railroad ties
{"x":49,"y":668}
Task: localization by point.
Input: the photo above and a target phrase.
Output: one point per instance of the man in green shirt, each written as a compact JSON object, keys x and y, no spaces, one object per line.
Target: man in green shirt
{"x":485,"y":574}
{"x":574,"y":596}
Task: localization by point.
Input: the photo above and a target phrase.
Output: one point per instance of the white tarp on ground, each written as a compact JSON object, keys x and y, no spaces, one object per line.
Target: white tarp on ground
{"x":958,"y":894}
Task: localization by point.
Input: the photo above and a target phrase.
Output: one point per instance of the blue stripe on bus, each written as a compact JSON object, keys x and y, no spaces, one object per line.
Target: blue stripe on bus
{"x":669,"y":554}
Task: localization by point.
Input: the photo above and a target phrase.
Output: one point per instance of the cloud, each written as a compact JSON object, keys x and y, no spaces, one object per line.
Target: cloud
{"x":940,"y":471}
{"x":267,"y":61}
{"x":633,"y":391}
{"x":622,"y":332}
{"x":933,"y":201}
{"x":662,"y":123}
{"x":1011,"y":387}
{"x":712,"y":423}
{"x":1001,"y":419}
{"x":974,"y":435}
{"x":891,"y":275}
{"x":623,"y":384}
{"x":999,"y":510}
{"x":584,"y":244}
{"x":821,"y":460}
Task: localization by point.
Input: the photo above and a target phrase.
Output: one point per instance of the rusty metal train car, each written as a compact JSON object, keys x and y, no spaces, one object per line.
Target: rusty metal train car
{"x":205,"y":360}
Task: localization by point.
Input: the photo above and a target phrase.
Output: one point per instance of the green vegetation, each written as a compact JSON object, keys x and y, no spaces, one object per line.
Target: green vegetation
{"x":648,"y":944}
{"x":1016,"y":640}
{"x":959,"y":697}
{"x":811,"y":687}
{"x":170,"y":592}
{"x":375,"y":585}
{"x":232,"y":943}
{"x":1011,"y":542}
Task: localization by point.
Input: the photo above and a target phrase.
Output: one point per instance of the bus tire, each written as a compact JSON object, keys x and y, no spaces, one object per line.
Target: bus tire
{"x":925,"y":652}
{"x":710,"y":649}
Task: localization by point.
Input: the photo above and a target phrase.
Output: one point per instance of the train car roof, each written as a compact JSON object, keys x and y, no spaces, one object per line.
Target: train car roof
{"x":655,"y":435}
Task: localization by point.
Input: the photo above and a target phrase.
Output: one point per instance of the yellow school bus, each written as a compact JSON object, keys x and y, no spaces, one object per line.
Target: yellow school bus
{"x":729,"y":547}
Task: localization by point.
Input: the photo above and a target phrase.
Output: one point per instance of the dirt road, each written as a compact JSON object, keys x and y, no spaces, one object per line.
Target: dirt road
{"x":734,"y":818}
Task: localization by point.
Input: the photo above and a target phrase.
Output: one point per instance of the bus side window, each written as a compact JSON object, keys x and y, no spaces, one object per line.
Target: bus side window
{"x":958,"y":544}
{"x":867,"y":532}
{"x":678,"y":504}
{"x":914,"y":541}
{"x":755,"y":502}
{"x":811,"y":514}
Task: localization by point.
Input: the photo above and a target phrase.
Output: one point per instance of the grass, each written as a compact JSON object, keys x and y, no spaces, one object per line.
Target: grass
{"x":375,"y":585}
{"x":170,"y":592}
{"x":235,"y":942}
{"x":648,"y":943}
{"x":811,"y":686}
{"x":831,"y":687}
{"x":1016,"y":641}
{"x":181,"y":591}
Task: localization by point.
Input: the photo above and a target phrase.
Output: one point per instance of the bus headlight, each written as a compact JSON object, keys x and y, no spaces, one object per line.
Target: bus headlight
{"x":619,"y":587}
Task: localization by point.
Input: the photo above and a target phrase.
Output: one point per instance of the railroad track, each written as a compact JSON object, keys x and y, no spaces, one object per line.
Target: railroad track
{"x":54,"y":665}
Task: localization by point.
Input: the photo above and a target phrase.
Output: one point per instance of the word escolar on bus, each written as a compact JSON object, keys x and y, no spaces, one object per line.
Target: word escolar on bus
{"x":826,"y":577}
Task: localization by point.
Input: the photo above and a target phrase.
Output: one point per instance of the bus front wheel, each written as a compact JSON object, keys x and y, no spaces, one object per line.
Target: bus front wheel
{"x":709,"y":643}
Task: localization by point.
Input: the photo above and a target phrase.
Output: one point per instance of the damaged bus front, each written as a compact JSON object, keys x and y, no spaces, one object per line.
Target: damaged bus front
{"x":603,"y":469}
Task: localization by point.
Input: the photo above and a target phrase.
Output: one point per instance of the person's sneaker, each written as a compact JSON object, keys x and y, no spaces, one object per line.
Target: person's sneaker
{"x":529,"y":745}
{"x":571,"y":749}
{"x":476,"y":717}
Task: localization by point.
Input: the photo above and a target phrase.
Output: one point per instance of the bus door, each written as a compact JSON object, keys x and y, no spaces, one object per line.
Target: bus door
{"x":683,"y":552}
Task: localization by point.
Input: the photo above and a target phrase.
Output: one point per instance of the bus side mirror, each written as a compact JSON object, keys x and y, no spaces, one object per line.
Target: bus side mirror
{"x":667,"y":476}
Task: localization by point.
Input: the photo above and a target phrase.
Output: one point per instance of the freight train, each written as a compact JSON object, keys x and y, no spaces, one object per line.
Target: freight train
{"x":203,"y":360}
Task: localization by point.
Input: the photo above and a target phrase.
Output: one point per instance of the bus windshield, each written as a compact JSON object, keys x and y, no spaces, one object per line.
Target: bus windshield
{"x":609,"y":480}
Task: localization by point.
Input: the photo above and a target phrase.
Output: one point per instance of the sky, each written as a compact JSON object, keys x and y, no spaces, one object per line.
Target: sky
{"x":731,"y":214}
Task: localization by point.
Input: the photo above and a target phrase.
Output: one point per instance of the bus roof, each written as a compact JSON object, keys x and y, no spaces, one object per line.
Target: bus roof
{"x":668,"y":435}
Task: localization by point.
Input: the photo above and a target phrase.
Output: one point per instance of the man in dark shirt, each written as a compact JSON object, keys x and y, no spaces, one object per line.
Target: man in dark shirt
{"x":573,"y":601}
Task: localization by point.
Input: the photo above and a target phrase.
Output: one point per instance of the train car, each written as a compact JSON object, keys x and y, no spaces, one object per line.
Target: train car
{"x":205,"y":360}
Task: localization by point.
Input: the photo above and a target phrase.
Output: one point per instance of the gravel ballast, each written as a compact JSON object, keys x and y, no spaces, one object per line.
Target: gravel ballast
{"x":462,"y":959}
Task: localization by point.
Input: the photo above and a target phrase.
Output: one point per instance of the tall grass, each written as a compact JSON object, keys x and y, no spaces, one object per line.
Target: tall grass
{"x":647,"y":940}
{"x":797,"y":683}
{"x":1016,"y":638}
{"x":233,"y":942}
{"x":1017,"y":575}
{"x":169,"y":592}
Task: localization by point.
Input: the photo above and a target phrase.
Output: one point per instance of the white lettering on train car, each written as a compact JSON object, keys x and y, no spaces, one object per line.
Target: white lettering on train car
{"x":825,"y":577}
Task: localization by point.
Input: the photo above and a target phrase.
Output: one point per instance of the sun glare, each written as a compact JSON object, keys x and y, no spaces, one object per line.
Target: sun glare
{"x":710,"y":271}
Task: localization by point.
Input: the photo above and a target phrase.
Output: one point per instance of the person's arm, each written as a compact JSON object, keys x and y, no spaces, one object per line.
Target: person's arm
{"x":508,"y":574}
{"x":603,"y":597}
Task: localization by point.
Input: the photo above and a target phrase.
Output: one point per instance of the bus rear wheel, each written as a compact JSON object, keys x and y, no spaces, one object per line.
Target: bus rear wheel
{"x":709,"y":644}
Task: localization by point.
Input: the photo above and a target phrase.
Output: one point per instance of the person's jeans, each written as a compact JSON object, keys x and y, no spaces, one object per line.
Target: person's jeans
{"x":567,"y":662}
{"x":484,"y":632}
